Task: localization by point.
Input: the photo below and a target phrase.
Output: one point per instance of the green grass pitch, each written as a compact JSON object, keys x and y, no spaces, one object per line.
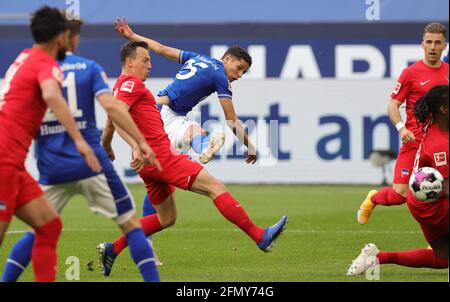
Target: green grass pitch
{"x":321,"y":238}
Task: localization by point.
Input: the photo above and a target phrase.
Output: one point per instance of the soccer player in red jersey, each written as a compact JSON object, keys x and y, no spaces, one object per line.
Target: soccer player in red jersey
{"x":177,"y":169}
{"x":413,"y":83}
{"x":31,"y":84}
{"x":433,"y":113}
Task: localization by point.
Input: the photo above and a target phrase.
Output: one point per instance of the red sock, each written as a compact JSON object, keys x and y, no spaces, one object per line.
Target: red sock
{"x":388,"y":197}
{"x":44,"y":254}
{"x":413,"y":258}
{"x":150,"y":224}
{"x":233,"y":211}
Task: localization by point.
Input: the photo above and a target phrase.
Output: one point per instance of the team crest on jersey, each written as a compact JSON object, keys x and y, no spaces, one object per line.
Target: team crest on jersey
{"x":127,"y":86}
{"x":404,"y":171}
{"x":57,"y":74}
{"x":2,"y":206}
{"x":397,"y":87}
{"x":440,"y":159}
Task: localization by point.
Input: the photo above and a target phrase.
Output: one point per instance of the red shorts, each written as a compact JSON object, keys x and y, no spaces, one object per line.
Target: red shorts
{"x":405,"y":162}
{"x":432,"y":217}
{"x":17,"y":188}
{"x":178,"y":171}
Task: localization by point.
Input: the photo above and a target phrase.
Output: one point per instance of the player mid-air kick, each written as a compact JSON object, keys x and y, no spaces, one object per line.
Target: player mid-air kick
{"x":199,"y":77}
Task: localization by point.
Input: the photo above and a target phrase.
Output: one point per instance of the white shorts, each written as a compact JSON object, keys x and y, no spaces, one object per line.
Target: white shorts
{"x":98,"y":195}
{"x":175,"y":127}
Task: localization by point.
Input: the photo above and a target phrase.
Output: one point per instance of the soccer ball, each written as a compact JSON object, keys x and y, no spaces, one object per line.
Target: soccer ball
{"x":426,"y":184}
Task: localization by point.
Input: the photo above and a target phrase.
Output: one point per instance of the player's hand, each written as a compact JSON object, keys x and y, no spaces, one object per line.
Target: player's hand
{"x":123,"y":28}
{"x":406,"y":135}
{"x":109,"y":150}
{"x":89,"y":156}
{"x":137,"y":162}
{"x":149,"y":156}
{"x":251,"y":159}
{"x":251,"y":155}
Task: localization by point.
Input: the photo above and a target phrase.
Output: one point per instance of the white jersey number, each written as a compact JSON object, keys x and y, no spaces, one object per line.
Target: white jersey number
{"x":192,"y":66}
{"x":10,"y":75}
{"x":70,"y":84}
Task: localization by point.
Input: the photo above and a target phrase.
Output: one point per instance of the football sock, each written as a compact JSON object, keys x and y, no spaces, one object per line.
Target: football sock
{"x":44,"y":254}
{"x":150,"y":224}
{"x":233,"y":211}
{"x":19,"y":258}
{"x":147,"y":209}
{"x":413,"y":258}
{"x":142,"y":254}
{"x":387,"y":196}
{"x":199,"y":143}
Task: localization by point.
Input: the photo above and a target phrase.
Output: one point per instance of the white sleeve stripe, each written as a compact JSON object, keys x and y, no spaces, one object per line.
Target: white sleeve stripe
{"x":224,"y":95}
{"x":101,"y":91}
{"x":181,"y":56}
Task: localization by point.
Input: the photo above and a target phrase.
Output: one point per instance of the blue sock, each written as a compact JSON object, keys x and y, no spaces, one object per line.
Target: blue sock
{"x":142,"y":254}
{"x":19,"y":258}
{"x":199,"y":143}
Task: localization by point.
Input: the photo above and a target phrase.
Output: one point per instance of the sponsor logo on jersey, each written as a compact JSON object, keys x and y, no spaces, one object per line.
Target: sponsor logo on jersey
{"x":397,"y":87}
{"x":127,"y":86}
{"x":440,"y":159}
{"x":404,"y":171}
{"x":423,"y":83}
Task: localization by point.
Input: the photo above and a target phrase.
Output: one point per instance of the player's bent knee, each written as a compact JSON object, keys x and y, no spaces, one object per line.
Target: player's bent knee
{"x":401,"y":189}
{"x":50,"y":231}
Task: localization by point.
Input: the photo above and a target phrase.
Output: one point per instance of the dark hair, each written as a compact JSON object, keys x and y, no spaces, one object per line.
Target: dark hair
{"x":74,"y":27}
{"x":436,"y":28}
{"x":240,"y":53}
{"x":46,"y":24}
{"x":427,"y":108}
{"x":129,"y":50}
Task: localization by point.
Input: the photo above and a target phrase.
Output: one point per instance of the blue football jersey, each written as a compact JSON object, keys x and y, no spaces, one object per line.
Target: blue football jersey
{"x":199,"y":77}
{"x":445,"y":56}
{"x":58,"y":160}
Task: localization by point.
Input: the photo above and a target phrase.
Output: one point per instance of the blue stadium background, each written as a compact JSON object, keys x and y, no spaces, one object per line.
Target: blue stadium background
{"x":201,"y":23}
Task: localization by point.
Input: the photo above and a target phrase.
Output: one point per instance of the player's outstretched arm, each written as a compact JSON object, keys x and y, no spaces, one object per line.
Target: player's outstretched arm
{"x":51,"y":94}
{"x":238,"y":129}
{"x":394,"y":115}
{"x":125,"y":31}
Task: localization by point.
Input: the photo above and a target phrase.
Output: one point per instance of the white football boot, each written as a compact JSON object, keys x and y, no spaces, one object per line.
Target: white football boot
{"x":365,"y":260}
{"x":216,"y":142}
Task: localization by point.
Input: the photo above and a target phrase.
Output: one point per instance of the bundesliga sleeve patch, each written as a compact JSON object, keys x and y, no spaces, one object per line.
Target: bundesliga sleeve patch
{"x":440,"y":159}
{"x":127,"y":86}
{"x":397,"y":87}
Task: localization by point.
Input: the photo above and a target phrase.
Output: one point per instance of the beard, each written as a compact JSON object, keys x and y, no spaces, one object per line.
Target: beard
{"x":61,"y":55}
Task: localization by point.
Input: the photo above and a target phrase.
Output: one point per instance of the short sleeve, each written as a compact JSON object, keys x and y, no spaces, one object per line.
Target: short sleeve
{"x":223,"y":87}
{"x":47,"y":70}
{"x":99,"y":84}
{"x":186,"y":55}
{"x":402,"y":87}
{"x":130,"y":91}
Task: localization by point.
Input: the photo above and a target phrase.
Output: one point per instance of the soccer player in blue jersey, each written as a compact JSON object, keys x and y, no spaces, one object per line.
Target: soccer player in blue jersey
{"x":445,"y":54}
{"x":199,"y":77}
{"x":63,"y":172}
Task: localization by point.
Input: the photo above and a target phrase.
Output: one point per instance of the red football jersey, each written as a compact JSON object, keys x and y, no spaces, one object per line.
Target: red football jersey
{"x":21,"y":105}
{"x":131,"y":90}
{"x":433,"y":152}
{"x":413,"y":83}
